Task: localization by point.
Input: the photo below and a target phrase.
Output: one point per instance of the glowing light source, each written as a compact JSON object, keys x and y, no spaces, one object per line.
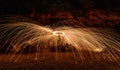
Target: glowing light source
{"x":58,"y":33}
{"x":98,"y":50}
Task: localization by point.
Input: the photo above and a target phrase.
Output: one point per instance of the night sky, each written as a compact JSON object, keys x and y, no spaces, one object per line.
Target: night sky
{"x":28,"y":6}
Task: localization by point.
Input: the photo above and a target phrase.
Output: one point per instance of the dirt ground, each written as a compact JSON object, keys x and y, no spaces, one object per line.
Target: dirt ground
{"x":55,"y":61}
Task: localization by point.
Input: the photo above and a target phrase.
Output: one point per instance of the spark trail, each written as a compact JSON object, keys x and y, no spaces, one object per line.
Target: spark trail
{"x":83,"y":43}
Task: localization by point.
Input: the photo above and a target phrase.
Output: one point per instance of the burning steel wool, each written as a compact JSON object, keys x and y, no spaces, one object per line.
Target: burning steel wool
{"x":84,"y":43}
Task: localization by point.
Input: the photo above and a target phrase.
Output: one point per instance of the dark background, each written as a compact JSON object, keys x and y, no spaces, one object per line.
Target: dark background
{"x":28,"y":6}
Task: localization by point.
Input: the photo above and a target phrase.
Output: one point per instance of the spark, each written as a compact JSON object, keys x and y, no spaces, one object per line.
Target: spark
{"x":23,"y":37}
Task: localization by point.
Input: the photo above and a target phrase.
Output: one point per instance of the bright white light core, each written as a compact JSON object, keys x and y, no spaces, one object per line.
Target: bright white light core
{"x":58,"y":33}
{"x":98,"y":50}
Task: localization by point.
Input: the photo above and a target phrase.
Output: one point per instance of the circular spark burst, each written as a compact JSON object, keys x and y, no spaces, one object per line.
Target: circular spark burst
{"x":22,"y":36}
